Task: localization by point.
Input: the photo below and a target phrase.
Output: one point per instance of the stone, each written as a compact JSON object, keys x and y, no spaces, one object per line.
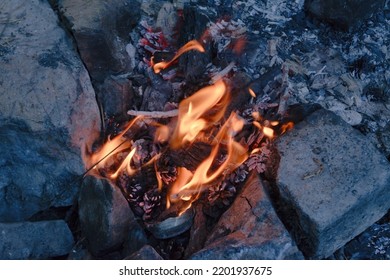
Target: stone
{"x":250,"y":229}
{"x":136,"y":239}
{"x":101,"y":30}
{"x":384,"y":137}
{"x":105,"y":216}
{"x":48,"y":112}
{"x":147,"y":252}
{"x":80,"y":252}
{"x":167,"y":21}
{"x":332,"y":182}
{"x":343,"y":13}
{"x":116,"y":96}
{"x":38,"y":240}
{"x":372,"y":244}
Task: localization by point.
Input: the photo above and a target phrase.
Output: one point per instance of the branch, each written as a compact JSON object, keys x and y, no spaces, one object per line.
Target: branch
{"x":154,"y":114}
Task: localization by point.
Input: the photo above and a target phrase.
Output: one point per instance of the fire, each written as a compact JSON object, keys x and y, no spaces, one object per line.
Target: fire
{"x":191,"y":45}
{"x":236,"y":155}
{"x":118,"y":144}
{"x":192,"y":118}
{"x":201,"y":117}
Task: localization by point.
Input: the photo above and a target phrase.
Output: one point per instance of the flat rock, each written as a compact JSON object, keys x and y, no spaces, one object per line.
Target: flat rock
{"x":48,"y":111}
{"x":105,"y":216}
{"x":38,"y":240}
{"x":333,"y":183}
{"x":250,"y":229}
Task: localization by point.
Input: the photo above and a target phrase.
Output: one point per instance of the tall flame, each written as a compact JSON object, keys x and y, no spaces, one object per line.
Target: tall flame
{"x":189,"y":185}
{"x":194,"y":113}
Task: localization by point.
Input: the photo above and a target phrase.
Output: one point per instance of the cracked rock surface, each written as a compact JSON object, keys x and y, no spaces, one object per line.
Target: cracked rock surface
{"x":250,"y":229}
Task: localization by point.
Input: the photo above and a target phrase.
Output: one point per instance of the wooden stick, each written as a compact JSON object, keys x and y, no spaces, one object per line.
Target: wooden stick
{"x":154,"y":114}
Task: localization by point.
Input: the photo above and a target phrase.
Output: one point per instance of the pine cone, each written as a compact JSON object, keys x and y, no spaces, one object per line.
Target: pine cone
{"x":151,"y":202}
{"x":132,"y":191}
{"x":168,"y":176}
{"x":221,"y":195}
{"x":239,"y":175}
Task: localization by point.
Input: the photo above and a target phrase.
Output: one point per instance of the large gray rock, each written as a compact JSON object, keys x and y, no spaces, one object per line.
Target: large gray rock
{"x":333,"y":183}
{"x":101,"y":30}
{"x":343,"y":13}
{"x":48,"y":111}
{"x":39,"y":240}
{"x":105,"y":216}
{"x":250,"y":229}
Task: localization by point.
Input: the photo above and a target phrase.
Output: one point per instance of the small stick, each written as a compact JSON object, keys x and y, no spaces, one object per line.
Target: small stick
{"x":154,"y":114}
{"x":223,"y":72}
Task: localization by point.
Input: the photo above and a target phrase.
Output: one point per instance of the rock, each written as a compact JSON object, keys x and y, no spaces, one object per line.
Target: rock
{"x":48,"y":112}
{"x":333,"y":183}
{"x":105,"y":216}
{"x":80,"y":252}
{"x":116,"y":96}
{"x":147,"y":252}
{"x":167,"y":20}
{"x":372,"y":244}
{"x":136,"y":239}
{"x":351,"y":117}
{"x":343,"y":13}
{"x":384,"y":137}
{"x":250,"y":229}
{"x":38,"y":240}
{"x":101,"y":31}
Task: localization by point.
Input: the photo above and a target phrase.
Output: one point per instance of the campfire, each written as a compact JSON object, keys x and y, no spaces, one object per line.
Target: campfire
{"x":202,"y":148}
{"x":156,"y":129}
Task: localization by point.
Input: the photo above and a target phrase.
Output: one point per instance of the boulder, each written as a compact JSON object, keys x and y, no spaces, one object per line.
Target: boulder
{"x":101,"y":30}
{"x":105,"y":216}
{"x":250,"y":229}
{"x":333,"y":183}
{"x":38,"y":240}
{"x":48,"y":112}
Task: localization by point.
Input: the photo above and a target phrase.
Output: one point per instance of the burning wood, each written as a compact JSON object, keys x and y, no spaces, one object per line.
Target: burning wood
{"x":204,"y":146}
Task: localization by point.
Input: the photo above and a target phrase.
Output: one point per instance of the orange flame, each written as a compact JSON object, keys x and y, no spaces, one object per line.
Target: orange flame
{"x":191,"y":45}
{"x":108,"y":150}
{"x":236,"y":155}
{"x":199,"y":116}
{"x":192,"y":118}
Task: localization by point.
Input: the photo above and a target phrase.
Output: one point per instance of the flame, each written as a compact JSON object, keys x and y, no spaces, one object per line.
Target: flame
{"x":200,"y":116}
{"x":194,"y":114}
{"x":203,"y":175}
{"x":286,"y":127}
{"x":252,"y":93}
{"x":126,"y":164}
{"x":191,"y":45}
{"x":269,"y":132}
{"x":112,"y":147}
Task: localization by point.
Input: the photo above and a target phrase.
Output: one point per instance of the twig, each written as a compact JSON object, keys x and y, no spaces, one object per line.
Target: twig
{"x":223,"y":72}
{"x":154,"y":114}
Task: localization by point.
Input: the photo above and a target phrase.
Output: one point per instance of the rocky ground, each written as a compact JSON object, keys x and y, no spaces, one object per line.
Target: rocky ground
{"x":71,"y":71}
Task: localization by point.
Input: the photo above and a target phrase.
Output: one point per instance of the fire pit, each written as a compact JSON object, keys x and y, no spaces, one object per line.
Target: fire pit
{"x":238,"y":130}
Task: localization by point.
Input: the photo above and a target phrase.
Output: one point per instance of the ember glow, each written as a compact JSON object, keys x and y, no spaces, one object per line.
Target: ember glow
{"x":202,"y":117}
